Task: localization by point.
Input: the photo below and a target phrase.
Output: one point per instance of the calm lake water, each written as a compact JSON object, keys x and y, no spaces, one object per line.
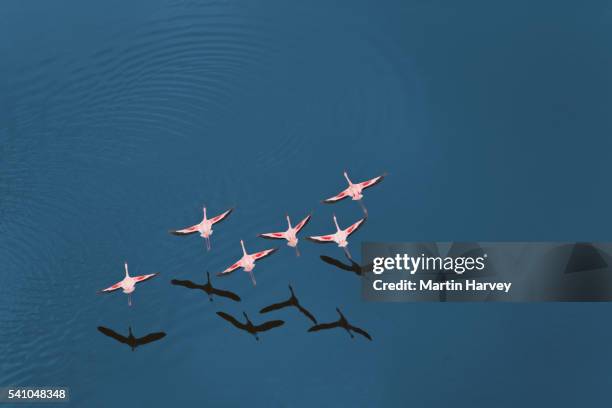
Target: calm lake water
{"x":119,"y":121}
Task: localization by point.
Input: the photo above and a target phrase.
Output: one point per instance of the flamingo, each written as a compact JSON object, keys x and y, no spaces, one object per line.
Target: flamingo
{"x":340,"y":236}
{"x":342,"y":323}
{"x":128,"y":284}
{"x":290,"y":234}
{"x":249,"y":326}
{"x":354,"y":190}
{"x":204,"y":227}
{"x":247,"y":262}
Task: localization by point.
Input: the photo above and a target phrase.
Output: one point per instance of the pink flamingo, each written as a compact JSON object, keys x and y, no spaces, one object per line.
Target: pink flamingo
{"x":204,"y":227}
{"x":247,"y":262}
{"x":354,"y":190}
{"x":128,"y":284}
{"x":290,"y":234}
{"x":340,"y":237}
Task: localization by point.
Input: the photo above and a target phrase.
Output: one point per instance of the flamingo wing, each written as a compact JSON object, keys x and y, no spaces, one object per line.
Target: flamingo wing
{"x":112,"y":288}
{"x":302,"y":223}
{"x":230,"y":269}
{"x":264,"y":253}
{"x":321,"y":239}
{"x":221,"y":216}
{"x":371,"y":182}
{"x":340,"y":196}
{"x":142,"y":278}
{"x":186,"y":231}
{"x":355,"y":226}
{"x":273,"y":235}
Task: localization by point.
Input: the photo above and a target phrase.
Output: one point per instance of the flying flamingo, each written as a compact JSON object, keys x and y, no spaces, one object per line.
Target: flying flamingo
{"x":204,"y":227}
{"x":354,"y":190}
{"x":340,"y":236}
{"x":290,"y":234}
{"x":128,"y":284}
{"x":247,"y":262}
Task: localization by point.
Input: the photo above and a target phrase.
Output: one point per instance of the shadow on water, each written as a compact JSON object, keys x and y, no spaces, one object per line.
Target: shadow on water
{"x":249,"y":327}
{"x":354,"y":267}
{"x":341,"y":323}
{"x":207,"y":287}
{"x":291,"y":302}
{"x":131,"y":340}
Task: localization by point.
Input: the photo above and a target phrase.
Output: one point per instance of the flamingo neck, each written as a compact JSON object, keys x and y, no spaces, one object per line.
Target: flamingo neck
{"x":127,"y":274}
{"x":336,"y":223}
{"x":243,"y":248}
{"x":289,"y":222}
{"x":204,"y":210}
{"x":347,"y":178}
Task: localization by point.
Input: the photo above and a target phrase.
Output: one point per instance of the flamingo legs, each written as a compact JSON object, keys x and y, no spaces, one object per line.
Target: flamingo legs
{"x":208,"y":246}
{"x":363,"y":207}
{"x":297,"y":251}
{"x":129,"y":299}
{"x":252,"y":278}
{"x":348,"y":254}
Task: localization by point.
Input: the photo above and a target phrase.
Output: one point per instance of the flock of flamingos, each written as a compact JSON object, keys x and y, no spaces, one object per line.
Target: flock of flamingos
{"x":247,"y":263}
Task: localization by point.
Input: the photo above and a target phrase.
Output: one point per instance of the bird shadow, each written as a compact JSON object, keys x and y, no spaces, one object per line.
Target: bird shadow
{"x":207,"y":288}
{"x":130,"y":339}
{"x":354,"y":267}
{"x":291,"y":302}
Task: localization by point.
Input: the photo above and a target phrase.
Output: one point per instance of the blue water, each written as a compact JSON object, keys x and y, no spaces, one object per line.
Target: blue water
{"x":119,"y":121}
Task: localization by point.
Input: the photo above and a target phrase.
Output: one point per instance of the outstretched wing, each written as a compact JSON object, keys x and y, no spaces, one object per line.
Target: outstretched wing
{"x":264,"y":253}
{"x":149,"y":338}
{"x":230,"y":269}
{"x":112,"y":288}
{"x":321,"y":239}
{"x":275,"y":306}
{"x":225,"y":293}
{"x":221,"y":216}
{"x":302,"y":223}
{"x":323,"y":326}
{"x":273,"y":235}
{"x":355,"y":226}
{"x":362,"y":332}
{"x":232,"y":320}
{"x":307,"y":313}
{"x":341,"y":196}
{"x":372,"y":182}
{"x":186,"y":231}
{"x":143,"y":278}
{"x":269,"y":325}
{"x":111,"y":333}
